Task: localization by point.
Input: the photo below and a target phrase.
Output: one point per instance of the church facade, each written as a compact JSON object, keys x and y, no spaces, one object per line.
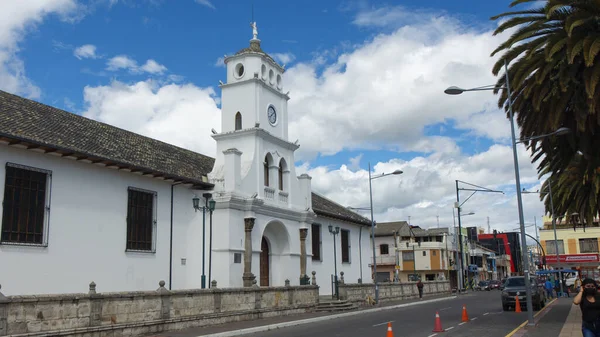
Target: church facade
{"x":85,"y":201}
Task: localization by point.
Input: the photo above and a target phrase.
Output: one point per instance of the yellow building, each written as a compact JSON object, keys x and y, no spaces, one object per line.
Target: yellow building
{"x":405,"y":254}
{"x":577,"y":247}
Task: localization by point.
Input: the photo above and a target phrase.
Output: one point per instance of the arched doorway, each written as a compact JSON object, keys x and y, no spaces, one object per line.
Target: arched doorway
{"x":264,"y":263}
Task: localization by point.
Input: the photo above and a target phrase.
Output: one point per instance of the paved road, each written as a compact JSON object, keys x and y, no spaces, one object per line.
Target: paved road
{"x":484,"y":310}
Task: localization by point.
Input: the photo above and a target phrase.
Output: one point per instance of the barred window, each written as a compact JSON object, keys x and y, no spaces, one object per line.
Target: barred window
{"x":26,"y":205}
{"x":588,"y":245}
{"x":141,"y":220}
{"x":551,"y":247}
{"x":384,"y":249}
{"x":345,"y":245}
{"x":408,"y":256}
{"x":315,"y":232}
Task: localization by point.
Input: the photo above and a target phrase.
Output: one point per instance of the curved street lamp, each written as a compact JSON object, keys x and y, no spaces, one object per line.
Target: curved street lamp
{"x":453,"y":90}
{"x":371,"y":178}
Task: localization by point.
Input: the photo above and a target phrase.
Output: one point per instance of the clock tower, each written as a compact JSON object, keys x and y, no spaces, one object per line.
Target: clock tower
{"x":254,"y":156}
{"x":253,"y":95}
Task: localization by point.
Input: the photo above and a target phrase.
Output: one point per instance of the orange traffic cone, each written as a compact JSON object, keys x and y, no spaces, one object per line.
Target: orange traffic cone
{"x":438,"y":323}
{"x":389,"y":331}
{"x":517,"y":304}
{"x":465,"y":316}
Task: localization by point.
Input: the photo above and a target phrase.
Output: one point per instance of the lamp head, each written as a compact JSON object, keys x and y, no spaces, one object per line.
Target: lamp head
{"x":330,"y":229}
{"x":453,"y":90}
{"x":397,"y":172}
{"x":211,"y":205}
{"x":196,"y":202}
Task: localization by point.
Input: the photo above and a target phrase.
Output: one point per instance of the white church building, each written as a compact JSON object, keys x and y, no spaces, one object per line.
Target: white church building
{"x":85,"y":201}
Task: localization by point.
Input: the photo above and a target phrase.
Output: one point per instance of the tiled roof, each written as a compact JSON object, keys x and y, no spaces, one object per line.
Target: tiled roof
{"x":325,"y":207}
{"x":52,"y":129}
{"x":403,"y":229}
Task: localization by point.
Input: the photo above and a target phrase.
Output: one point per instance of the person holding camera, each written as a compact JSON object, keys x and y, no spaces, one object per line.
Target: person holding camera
{"x":589,"y":302}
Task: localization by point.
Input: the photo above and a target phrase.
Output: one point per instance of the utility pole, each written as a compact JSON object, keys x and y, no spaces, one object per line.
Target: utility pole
{"x":489,"y":230}
{"x":438,"y":220}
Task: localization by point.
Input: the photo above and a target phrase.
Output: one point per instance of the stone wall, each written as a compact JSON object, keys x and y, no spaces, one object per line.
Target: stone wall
{"x":137,"y":313}
{"x":360,"y":293}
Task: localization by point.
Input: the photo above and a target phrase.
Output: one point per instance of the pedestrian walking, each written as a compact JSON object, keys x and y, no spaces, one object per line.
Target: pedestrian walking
{"x":588,"y":300}
{"x":420,"y":288}
{"x":548,"y":286}
{"x":565,"y":288}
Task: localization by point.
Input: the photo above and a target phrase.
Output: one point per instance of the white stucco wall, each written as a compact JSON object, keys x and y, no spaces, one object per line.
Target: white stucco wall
{"x":325,"y":267}
{"x":87,"y":232}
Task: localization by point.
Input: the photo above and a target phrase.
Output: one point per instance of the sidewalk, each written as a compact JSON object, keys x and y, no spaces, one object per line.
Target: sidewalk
{"x":559,"y":319}
{"x":224,"y":329}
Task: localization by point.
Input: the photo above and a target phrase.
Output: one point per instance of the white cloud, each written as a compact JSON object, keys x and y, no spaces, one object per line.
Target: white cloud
{"x":382,"y":94}
{"x":153,"y":67}
{"x":85,"y":51}
{"x":179,"y":114}
{"x":121,"y":62}
{"x":426,"y":189}
{"x":283,"y":58}
{"x":355,"y":162}
{"x":220,"y":62}
{"x":206,"y":3}
{"x":124,"y":62}
{"x":394,"y":16}
{"x":16,"y":19}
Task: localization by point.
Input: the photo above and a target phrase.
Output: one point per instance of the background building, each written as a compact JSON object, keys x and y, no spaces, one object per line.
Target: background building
{"x":577,"y":246}
{"x":406,"y":253}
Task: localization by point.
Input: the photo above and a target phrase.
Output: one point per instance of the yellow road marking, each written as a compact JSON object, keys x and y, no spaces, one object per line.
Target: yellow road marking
{"x":534,"y":316}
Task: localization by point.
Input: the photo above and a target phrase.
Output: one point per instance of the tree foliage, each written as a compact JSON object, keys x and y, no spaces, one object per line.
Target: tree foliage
{"x":553,"y":52}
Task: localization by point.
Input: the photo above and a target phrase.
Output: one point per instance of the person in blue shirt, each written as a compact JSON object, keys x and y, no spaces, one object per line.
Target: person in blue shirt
{"x":549,"y":287}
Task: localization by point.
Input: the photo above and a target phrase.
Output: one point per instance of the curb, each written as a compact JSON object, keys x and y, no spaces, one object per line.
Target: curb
{"x":275,"y":326}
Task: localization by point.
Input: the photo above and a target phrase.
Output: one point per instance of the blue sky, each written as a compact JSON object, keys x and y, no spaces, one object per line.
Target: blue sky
{"x":366,"y":81}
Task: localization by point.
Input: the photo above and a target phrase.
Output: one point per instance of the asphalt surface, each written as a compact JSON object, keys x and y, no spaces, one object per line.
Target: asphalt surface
{"x":486,"y":318}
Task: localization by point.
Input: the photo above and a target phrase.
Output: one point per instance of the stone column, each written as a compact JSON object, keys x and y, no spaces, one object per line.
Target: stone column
{"x":248,"y":277}
{"x":303,"y":233}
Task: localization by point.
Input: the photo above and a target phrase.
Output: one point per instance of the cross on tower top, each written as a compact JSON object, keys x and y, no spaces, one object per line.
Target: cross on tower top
{"x":254,"y":30}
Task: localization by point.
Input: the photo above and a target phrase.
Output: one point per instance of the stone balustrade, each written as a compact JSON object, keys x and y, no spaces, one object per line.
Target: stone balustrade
{"x":363,"y":294}
{"x":145,"y":312}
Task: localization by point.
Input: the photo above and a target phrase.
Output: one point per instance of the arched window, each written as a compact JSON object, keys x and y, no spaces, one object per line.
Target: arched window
{"x":281,"y":175}
{"x":238,"y":121}
{"x":266,"y":169}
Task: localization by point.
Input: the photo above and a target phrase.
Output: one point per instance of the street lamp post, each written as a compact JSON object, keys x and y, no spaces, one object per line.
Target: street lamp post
{"x":458,"y":205}
{"x":196,"y":203}
{"x":554,"y":228}
{"x":335,"y":232}
{"x":396,"y":172}
{"x":457,"y":91}
{"x":459,"y":254}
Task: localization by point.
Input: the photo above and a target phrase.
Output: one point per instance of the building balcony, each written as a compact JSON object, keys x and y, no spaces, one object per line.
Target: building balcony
{"x":425,"y":245}
{"x":275,"y":196}
{"x":385,"y":260}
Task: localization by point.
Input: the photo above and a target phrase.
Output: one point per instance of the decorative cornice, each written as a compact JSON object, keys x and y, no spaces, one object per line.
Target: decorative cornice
{"x":259,"y":206}
{"x":264,"y":56}
{"x":262,"y":133}
{"x":275,"y":91}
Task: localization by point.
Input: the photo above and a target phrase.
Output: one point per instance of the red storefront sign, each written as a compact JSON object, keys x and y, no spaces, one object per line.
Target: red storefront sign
{"x":573,"y":258}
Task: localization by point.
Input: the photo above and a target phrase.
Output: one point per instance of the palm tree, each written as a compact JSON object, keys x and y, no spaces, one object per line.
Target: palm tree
{"x":553,"y":53}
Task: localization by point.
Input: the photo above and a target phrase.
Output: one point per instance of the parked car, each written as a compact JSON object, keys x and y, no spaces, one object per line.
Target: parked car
{"x":483,"y":285}
{"x":502,"y":284}
{"x":515,"y":286}
{"x":494,"y":284}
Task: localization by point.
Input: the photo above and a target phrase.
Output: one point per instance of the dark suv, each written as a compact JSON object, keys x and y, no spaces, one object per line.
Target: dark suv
{"x":515,"y":286}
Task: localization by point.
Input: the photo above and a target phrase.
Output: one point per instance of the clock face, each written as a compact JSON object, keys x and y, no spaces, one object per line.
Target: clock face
{"x":272,"y":115}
